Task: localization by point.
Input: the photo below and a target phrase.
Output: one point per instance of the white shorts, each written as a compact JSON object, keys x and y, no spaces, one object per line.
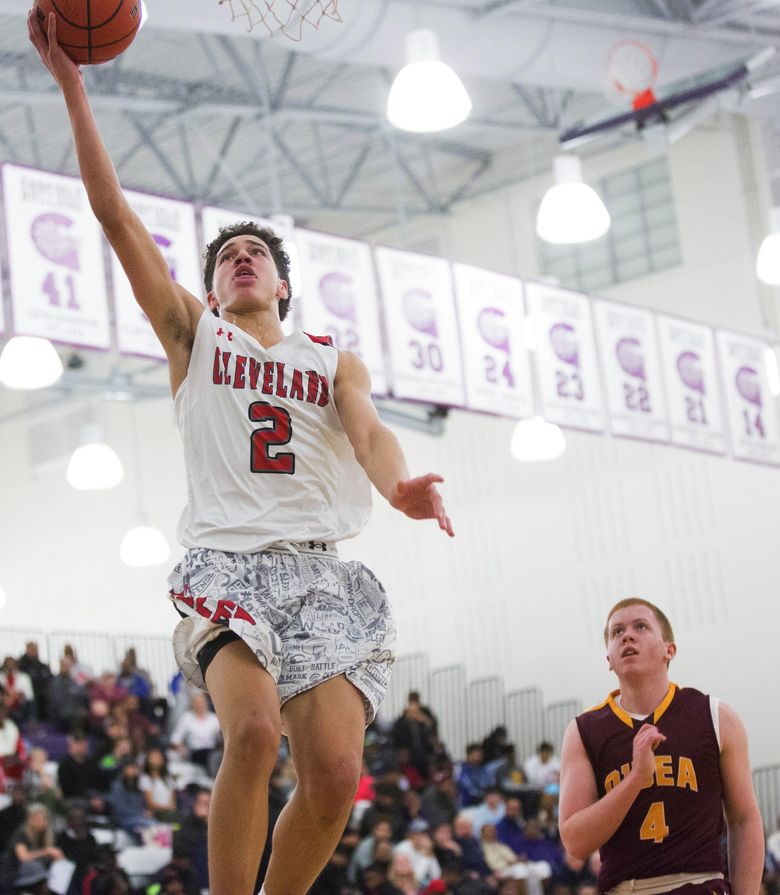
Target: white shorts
{"x":306,"y":615}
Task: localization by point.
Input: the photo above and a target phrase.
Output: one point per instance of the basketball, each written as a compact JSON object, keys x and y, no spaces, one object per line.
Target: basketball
{"x":93,"y":31}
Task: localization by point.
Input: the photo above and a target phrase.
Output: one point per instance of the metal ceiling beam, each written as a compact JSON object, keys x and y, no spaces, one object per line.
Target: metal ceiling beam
{"x":162,"y":158}
{"x":646,"y":24}
{"x":733,"y":11}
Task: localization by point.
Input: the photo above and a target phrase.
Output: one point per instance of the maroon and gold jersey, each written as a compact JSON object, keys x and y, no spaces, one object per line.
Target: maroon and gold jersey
{"x":676,"y":823}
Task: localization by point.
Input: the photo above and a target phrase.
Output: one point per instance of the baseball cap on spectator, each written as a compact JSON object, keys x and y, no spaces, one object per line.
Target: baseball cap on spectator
{"x":418,"y":825}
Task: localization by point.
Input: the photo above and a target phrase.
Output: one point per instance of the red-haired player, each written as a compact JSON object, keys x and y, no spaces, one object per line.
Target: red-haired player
{"x":647,"y":775}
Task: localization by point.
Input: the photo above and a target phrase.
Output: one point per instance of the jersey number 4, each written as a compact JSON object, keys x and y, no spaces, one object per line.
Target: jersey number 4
{"x":654,"y":825}
{"x":275,"y":435}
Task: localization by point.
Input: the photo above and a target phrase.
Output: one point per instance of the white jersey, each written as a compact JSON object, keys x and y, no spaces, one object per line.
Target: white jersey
{"x":267,"y":458}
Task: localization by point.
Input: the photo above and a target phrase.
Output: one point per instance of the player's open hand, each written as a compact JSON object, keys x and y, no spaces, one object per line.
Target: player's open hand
{"x":419,"y":499}
{"x":646,"y":742}
{"x":43,"y":37}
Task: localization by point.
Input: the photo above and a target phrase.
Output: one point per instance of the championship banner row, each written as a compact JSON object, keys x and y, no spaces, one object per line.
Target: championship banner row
{"x":455,"y":335}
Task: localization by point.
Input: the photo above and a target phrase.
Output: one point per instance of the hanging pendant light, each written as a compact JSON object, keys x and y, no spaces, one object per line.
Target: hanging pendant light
{"x":427,"y":96}
{"x":28,"y":362}
{"x":768,"y":259}
{"x":571,"y":211}
{"x":94,"y":466}
{"x":535,"y":439}
{"x":143,"y":546}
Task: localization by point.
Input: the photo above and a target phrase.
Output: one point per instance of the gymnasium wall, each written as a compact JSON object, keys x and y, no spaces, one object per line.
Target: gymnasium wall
{"x":541,"y":551}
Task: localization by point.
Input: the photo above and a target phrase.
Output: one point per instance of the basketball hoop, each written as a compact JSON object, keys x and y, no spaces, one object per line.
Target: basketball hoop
{"x":633,"y":70}
{"x":285,"y":16}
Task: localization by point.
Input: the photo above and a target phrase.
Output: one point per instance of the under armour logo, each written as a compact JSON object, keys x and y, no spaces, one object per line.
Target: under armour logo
{"x":221,"y":332}
{"x":318,"y":545}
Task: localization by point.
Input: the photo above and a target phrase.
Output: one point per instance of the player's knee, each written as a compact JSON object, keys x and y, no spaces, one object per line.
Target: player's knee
{"x":332,"y":785}
{"x":254,"y":737}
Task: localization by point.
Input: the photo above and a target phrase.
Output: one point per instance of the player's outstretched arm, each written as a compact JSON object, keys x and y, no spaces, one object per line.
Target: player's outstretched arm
{"x":586,"y":821}
{"x":377,"y":449}
{"x":172,"y":311}
{"x":743,"y":819}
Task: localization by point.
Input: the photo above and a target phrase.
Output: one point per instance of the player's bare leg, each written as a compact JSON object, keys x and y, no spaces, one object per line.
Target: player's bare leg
{"x":247,"y":705}
{"x":325,"y":727}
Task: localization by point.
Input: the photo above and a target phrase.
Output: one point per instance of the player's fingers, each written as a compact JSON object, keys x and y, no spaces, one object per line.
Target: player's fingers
{"x":51,"y":31}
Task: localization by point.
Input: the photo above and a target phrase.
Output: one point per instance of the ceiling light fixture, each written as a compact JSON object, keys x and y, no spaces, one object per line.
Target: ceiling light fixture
{"x":143,"y":546}
{"x":535,"y":439}
{"x":94,"y":466}
{"x":427,"y":96}
{"x":28,"y":362}
{"x":768,"y":259}
{"x":571,"y":211}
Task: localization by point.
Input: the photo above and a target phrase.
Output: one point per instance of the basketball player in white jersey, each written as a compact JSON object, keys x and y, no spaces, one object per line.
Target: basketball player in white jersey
{"x":281,"y":440}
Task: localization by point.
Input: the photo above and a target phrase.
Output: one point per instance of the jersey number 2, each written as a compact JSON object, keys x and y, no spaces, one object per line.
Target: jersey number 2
{"x":272,"y":436}
{"x":654,"y":825}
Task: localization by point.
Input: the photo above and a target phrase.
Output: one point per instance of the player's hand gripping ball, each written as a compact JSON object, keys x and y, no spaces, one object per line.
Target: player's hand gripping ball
{"x":93,"y":31}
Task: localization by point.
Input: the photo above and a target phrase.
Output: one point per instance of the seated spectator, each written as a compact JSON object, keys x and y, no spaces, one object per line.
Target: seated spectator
{"x":363,"y":856}
{"x":509,"y":776}
{"x":127,"y":802}
{"x":472,"y":860}
{"x":157,"y":787}
{"x":66,"y":700}
{"x":110,"y":763}
{"x":192,"y":836}
{"x":18,"y":687}
{"x":135,"y":680}
{"x":473,"y":778}
{"x":77,"y":844}
{"x":489,"y":811}
{"x":773,"y":846}
{"x":570,"y":875}
{"x":543,"y":767}
{"x":493,"y":745}
{"x":445,"y":848}
{"x":510,"y":827}
{"x":197,"y":732}
{"x":414,"y":731}
{"x":374,"y":881}
{"x":401,"y":875}
{"x":32,"y":878}
{"x":39,"y":783}
{"x":77,"y":773}
{"x":387,"y":804}
{"x":535,"y":845}
{"x":333,"y":876}
{"x":504,"y":862}
{"x":461,"y":882}
{"x":13,"y":815}
{"x":40,"y":675}
{"x":176,"y":878}
{"x":440,"y":799}
{"x":418,"y":847}
{"x":106,"y":877}
{"x":80,"y":672}
{"x":33,"y":841}
{"x":13,"y":753}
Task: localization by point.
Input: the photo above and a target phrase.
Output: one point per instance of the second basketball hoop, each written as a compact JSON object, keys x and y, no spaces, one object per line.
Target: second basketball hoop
{"x":282,"y":16}
{"x":632,"y":73}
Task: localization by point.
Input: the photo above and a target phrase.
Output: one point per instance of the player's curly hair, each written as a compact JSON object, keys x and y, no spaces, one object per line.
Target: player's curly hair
{"x":274,"y":243}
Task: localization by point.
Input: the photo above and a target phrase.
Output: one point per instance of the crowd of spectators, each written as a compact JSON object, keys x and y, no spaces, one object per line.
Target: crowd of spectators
{"x":95,"y":768}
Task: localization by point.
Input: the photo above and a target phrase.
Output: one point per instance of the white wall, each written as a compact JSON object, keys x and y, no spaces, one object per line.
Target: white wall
{"x":541,"y":551}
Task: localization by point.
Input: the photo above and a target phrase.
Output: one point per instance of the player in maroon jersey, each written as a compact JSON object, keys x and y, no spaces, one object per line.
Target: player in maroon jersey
{"x":647,"y":775}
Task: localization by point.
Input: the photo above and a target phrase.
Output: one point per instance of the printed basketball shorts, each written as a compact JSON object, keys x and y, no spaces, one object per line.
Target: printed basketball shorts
{"x":306,"y":615}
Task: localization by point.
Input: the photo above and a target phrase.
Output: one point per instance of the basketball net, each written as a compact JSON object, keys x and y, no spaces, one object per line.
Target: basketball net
{"x":285,"y":16}
{"x":632,"y":73}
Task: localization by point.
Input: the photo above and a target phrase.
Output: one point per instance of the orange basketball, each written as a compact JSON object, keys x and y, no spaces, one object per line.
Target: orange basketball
{"x":93,"y":31}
